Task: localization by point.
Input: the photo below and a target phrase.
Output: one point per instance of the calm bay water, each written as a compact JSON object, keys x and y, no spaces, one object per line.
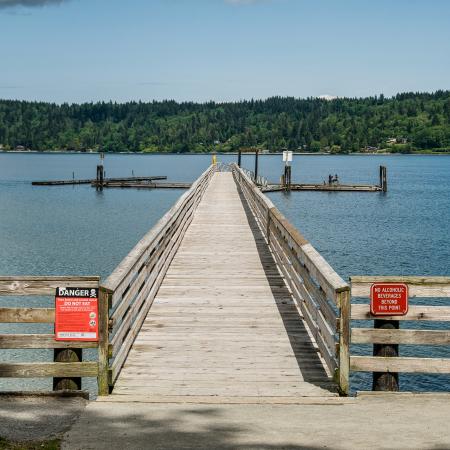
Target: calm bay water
{"x":65,"y":230}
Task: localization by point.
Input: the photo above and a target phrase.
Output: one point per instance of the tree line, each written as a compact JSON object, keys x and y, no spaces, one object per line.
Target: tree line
{"x":404,"y":123}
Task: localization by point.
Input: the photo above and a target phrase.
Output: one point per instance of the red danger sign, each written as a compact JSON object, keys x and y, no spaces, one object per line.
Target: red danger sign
{"x":388,"y":299}
{"x":76,"y":314}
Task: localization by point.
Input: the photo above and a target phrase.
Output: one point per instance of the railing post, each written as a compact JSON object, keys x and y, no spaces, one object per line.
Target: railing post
{"x":256,"y":165}
{"x":103,"y":342}
{"x":344,"y":304}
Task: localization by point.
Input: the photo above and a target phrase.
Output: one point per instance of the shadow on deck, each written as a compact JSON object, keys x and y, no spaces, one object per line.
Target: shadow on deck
{"x":306,"y":353}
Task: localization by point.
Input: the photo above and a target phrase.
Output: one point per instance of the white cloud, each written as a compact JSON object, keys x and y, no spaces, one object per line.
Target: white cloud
{"x":327,"y":97}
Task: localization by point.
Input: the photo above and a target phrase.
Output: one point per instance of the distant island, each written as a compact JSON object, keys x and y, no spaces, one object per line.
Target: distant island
{"x":405,"y":123}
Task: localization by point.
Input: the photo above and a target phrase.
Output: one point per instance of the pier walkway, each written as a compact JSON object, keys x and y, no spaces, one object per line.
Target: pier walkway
{"x":223,"y":323}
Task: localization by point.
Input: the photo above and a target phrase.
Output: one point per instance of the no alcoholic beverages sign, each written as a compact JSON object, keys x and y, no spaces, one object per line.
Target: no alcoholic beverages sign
{"x":76,"y":314}
{"x":389,"y":299}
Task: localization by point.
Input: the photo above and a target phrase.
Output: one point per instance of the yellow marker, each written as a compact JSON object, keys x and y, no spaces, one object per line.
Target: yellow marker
{"x":214,"y":159}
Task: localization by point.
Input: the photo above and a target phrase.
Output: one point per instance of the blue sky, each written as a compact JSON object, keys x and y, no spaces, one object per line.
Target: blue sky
{"x":200,"y":50}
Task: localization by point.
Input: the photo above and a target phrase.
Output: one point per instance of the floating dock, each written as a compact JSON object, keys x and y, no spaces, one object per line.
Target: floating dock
{"x":144,"y":185}
{"x":94,"y":181}
{"x":323,"y":187}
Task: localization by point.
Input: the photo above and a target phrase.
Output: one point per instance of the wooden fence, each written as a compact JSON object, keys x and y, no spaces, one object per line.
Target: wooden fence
{"x":418,"y":287}
{"x":321,"y":294}
{"x":46,"y":286}
{"x":132,"y":287}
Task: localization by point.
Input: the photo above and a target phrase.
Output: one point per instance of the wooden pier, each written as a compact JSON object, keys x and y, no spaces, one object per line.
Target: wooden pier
{"x":224,"y":301}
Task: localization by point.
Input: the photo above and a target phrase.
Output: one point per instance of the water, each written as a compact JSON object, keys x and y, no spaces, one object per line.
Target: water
{"x":76,"y":230}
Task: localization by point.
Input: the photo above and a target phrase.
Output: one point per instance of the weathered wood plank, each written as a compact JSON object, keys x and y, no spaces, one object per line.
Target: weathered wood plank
{"x":421,"y":313}
{"x":40,"y":341}
{"x":48,"y":369}
{"x":394,"y":336}
{"x":417,"y":286}
{"x":400,"y":364}
{"x":34,"y":285}
{"x":27,"y":315}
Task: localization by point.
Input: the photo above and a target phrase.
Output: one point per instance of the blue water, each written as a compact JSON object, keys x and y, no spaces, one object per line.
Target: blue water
{"x":76,"y":230}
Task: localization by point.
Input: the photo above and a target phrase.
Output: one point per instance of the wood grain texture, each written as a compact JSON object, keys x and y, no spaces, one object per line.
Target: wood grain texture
{"x":400,"y":364}
{"x":36,"y":285}
{"x":394,"y":336}
{"x":27,"y":315}
{"x":417,"y":286}
{"x":49,"y":369}
{"x":40,"y":341}
{"x":420,"y":313}
{"x":223,"y":323}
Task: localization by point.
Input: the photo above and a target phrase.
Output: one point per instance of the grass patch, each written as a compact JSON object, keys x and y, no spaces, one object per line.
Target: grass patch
{"x":53,"y":444}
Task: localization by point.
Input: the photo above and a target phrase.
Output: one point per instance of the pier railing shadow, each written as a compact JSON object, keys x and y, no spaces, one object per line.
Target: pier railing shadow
{"x":306,"y":354}
{"x":321,"y":295}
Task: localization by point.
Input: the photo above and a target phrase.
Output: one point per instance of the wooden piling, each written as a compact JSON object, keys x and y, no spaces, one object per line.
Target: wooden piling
{"x":385,"y":381}
{"x":99,"y":178}
{"x":256,"y":165}
{"x":383,"y":178}
{"x":65,"y":355}
{"x":239,"y":158}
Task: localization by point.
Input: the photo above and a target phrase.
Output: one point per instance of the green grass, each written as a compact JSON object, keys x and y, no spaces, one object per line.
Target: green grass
{"x":53,"y":444}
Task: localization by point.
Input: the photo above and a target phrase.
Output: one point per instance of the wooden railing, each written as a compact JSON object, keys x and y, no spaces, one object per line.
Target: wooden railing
{"x":132,"y":287}
{"x":46,"y":286}
{"x":321,"y":294}
{"x":418,"y":287}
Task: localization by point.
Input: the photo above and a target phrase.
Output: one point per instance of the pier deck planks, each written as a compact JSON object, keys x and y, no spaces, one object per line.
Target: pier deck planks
{"x":223,"y":323}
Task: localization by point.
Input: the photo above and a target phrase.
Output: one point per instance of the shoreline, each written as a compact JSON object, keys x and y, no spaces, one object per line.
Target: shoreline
{"x":76,"y":152}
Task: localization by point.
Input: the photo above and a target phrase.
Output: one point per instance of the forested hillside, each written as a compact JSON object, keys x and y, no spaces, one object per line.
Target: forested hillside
{"x":409,"y":121}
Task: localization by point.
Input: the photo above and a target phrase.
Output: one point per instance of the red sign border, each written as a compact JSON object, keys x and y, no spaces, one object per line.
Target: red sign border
{"x":389,"y":313}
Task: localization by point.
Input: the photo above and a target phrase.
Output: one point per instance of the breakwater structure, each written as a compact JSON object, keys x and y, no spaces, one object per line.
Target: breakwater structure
{"x":224,"y":301}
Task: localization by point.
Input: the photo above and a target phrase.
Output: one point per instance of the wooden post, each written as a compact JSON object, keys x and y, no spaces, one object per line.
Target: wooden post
{"x":64,"y":355}
{"x":256,"y":164}
{"x":239,"y":158}
{"x":103,"y":342}
{"x":383,"y":178}
{"x":344,"y":304}
{"x":385,"y":381}
{"x":287,"y":177}
{"x":100,"y":177}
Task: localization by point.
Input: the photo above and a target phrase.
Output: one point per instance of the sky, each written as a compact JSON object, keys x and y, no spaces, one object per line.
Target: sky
{"x":221,"y":50}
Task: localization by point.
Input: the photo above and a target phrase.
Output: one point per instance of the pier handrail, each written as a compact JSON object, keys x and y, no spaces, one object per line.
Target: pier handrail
{"x":132,"y":286}
{"x":46,"y":286}
{"x":418,"y":287}
{"x":321,"y":294}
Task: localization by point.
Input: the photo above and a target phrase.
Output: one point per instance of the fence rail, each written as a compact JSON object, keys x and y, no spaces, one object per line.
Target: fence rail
{"x":132,"y":287}
{"x":321,"y":294}
{"x":418,"y":287}
{"x":44,"y":286}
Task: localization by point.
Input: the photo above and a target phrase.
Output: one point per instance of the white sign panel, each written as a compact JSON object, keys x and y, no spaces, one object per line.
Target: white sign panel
{"x":287,"y":156}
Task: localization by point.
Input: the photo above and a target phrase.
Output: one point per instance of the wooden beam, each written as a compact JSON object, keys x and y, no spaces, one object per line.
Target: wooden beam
{"x":393,"y":336}
{"x":400,"y":364}
{"x":49,"y":369}
{"x":27,"y":315}
{"x":417,"y":286}
{"x":40,"y":341}
{"x":42,"y":285}
{"x":420,"y":313}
